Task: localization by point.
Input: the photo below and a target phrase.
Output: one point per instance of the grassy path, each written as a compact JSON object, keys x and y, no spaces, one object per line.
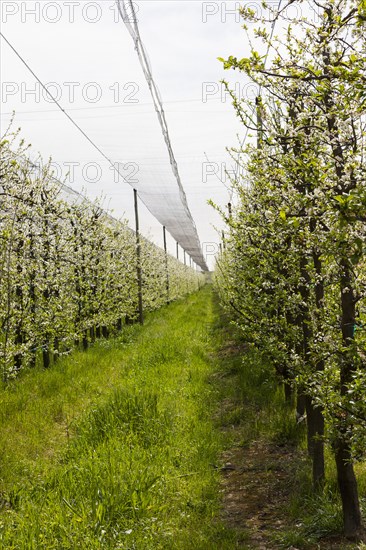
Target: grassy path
{"x":114,"y":448}
{"x":170,"y":436}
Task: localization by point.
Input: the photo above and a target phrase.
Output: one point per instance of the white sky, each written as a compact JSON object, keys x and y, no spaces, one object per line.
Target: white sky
{"x":183,"y":40}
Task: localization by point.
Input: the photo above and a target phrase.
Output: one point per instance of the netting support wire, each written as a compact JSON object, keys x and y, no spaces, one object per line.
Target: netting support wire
{"x":113,"y":165}
{"x":138,"y":261}
{"x":128,"y":15}
{"x":166,"y":265}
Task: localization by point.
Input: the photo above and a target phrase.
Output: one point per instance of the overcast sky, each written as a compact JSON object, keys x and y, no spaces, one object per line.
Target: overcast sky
{"x":86,"y":51}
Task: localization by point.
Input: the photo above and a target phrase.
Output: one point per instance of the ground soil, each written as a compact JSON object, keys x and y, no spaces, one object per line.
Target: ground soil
{"x":256,"y":484}
{"x":256,"y":487}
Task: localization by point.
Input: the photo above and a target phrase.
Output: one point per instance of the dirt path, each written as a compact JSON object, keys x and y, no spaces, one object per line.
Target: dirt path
{"x":256,"y":475}
{"x":256,"y":484}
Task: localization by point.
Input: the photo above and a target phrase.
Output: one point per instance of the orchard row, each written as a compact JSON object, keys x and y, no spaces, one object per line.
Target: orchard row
{"x":293,"y":269}
{"x":68,"y":272}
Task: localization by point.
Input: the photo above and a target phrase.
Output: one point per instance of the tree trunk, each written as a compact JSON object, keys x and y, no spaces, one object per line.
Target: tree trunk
{"x":300,"y":404}
{"x":348,"y":488}
{"x":56,"y":349}
{"x":318,"y":448}
{"x":310,"y":425}
{"x":19,"y":335}
{"x":46,"y":356}
{"x":315,"y":433}
{"x":345,"y":472}
{"x":288,"y":390}
{"x":18,"y":342}
{"x":32,"y":294}
{"x":85,"y":340}
{"x":315,"y":420}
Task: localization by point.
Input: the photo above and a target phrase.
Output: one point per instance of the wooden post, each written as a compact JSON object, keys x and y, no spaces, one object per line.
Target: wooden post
{"x":166,"y":265}
{"x":258,"y":102}
{"x":138,"y":260}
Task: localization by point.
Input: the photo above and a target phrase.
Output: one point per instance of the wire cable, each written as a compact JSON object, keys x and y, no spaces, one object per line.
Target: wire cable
{"x":59,"y":105}
{"x":96,"y":147}
{"x":124,"y":105}
{"x":127,"y":16}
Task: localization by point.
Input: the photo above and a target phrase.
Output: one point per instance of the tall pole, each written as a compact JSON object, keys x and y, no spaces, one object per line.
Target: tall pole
{"x":166,"y":265}
{"x":177,"y":251}
{"x":258,"y":102}
{"x":184,"y":257}
{"x":138,"y":260}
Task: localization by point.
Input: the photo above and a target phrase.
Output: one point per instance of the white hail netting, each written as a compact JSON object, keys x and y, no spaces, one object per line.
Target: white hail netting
{"x":166,"y":200}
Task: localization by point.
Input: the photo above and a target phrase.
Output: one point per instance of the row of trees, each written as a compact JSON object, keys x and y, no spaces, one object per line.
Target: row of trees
{"x":67,"y":270}
{"x":293,"y":271}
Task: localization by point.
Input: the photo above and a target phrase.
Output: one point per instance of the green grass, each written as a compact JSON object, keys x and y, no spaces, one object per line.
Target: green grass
{"x":256,"y":397}
{"x":114,"y":447}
